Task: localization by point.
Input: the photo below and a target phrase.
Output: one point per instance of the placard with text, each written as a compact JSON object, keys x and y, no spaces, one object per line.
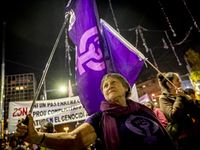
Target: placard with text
{"x":57,"y":111}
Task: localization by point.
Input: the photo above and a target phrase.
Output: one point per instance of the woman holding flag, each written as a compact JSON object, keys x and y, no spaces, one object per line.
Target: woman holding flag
{"x":179,"y":110}
{"x":122,"y":124}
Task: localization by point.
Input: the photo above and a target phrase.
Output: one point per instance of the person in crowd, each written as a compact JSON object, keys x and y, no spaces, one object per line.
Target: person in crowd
{"x":46,"y":127}
{"x":177,"y":108}
{"x":122,"y":124}
{"x":158,"y":113}
{"x":3,"y":144}
{"x":191,"y":93}
{"x":21,"y":145}
{"x":7,"y":145}
{"x":16,"y":145}
{"x":13,"y":143}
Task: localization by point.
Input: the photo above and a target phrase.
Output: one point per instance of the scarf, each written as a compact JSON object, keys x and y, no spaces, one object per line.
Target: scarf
{"x":110,"y":130}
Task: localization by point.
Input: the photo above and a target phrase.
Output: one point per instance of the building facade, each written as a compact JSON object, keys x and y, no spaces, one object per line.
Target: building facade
{"x":19,"y":87}
{"x":150,"y":87}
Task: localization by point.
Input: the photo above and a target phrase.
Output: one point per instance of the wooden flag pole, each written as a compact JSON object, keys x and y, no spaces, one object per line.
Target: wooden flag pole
{"x":160,"y":73}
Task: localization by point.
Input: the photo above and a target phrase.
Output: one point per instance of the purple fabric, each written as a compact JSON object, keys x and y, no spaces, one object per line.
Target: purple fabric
{"x":110,"y":130}
{"x":97,"y":56}
{"x":144,"y":98}
{"x":84,"y":32}
{"x":124,"y":60}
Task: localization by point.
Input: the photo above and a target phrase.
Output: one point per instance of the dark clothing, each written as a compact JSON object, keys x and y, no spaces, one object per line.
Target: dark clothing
{"x":139,"y":129}
{"x":178,"y":112}
{"x":197,"y":103}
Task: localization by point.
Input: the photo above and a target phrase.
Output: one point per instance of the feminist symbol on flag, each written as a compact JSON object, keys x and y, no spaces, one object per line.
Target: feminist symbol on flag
{"x":90,"y":55}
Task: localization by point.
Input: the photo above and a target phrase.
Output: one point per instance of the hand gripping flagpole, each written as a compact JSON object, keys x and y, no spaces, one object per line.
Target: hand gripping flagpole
{"x":45,"y":71}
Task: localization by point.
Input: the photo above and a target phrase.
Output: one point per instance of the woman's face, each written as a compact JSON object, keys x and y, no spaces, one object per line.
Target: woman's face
{"x":176,"y":81}
{"x":148,"y":105}
{"x":113,"y":89}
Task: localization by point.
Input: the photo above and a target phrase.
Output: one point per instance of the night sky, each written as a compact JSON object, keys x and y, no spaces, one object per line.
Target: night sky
{"x":32,"y":28}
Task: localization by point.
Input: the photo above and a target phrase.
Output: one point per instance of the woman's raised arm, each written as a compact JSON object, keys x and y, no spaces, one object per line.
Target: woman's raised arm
{"x":81,"y":137}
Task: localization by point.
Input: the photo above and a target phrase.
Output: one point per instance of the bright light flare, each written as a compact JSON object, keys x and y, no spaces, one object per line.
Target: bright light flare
{"x":63,"y":89}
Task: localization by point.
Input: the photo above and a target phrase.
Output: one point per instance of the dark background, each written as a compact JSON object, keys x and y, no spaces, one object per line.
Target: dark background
{"x":33,"y":26}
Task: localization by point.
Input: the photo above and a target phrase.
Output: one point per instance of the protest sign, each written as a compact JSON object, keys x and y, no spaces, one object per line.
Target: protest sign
{"x":57,"y":111}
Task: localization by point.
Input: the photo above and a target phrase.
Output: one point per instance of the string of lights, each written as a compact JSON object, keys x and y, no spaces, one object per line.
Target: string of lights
{"x":153,"y":58}
{"x":164,"y":44}
{"x":195,"y":23}
{"x":143,"y":40}
{"x":173,"y":49}
{"x":115,"y":20}
{"x":136,"y":42}
{"x":170,"y":26}
{"x":187,"y":35}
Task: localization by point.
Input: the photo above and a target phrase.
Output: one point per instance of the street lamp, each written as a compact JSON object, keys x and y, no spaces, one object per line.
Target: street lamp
{"x":66,"y":129}
{"x":62,"y":89}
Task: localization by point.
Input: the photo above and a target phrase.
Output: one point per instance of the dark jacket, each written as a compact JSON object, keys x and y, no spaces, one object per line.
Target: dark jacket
{"x":176,"y":112}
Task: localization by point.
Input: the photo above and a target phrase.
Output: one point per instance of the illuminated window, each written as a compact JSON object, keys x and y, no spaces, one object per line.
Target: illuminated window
{"x":17,"y":88}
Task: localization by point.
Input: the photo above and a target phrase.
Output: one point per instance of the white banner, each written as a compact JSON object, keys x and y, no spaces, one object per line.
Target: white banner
{"x":57,"y":111}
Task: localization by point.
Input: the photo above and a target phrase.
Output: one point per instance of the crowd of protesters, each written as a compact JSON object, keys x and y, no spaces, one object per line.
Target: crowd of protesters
{"x":123,"y":122}
{"x":14,"y":144}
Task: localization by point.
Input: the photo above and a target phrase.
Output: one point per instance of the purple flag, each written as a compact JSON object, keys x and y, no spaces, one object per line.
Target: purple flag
{"x":97,"y":56}
{"x":144,"y":98}
{"x":90,"y":65}
{"x":125,"y":58}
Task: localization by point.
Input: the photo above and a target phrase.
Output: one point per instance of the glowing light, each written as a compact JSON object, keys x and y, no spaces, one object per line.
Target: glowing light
{"x":66,"y":129}
{"x":63,"y":89}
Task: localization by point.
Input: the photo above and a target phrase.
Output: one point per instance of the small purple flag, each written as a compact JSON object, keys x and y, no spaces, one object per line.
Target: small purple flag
{"x":125,"y":58}
{"x":144,"y":98}
{"x":90,"y":66}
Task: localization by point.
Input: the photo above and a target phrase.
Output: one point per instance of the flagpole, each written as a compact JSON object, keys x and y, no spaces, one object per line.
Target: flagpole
{"x":2,"y":83}
{"x":160,"y":72}
{"x":48,"y":64}
{"x":45,"y":72}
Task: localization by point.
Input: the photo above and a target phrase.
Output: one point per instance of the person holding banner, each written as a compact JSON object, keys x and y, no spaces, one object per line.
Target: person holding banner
{"x":179,"y":110}
{"x":122,"y":124}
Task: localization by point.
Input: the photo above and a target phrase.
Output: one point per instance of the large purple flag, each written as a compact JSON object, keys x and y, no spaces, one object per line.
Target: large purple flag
{"x":90,"y":66}
{"x":125,"y":58}
{"x":97,"y":56}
